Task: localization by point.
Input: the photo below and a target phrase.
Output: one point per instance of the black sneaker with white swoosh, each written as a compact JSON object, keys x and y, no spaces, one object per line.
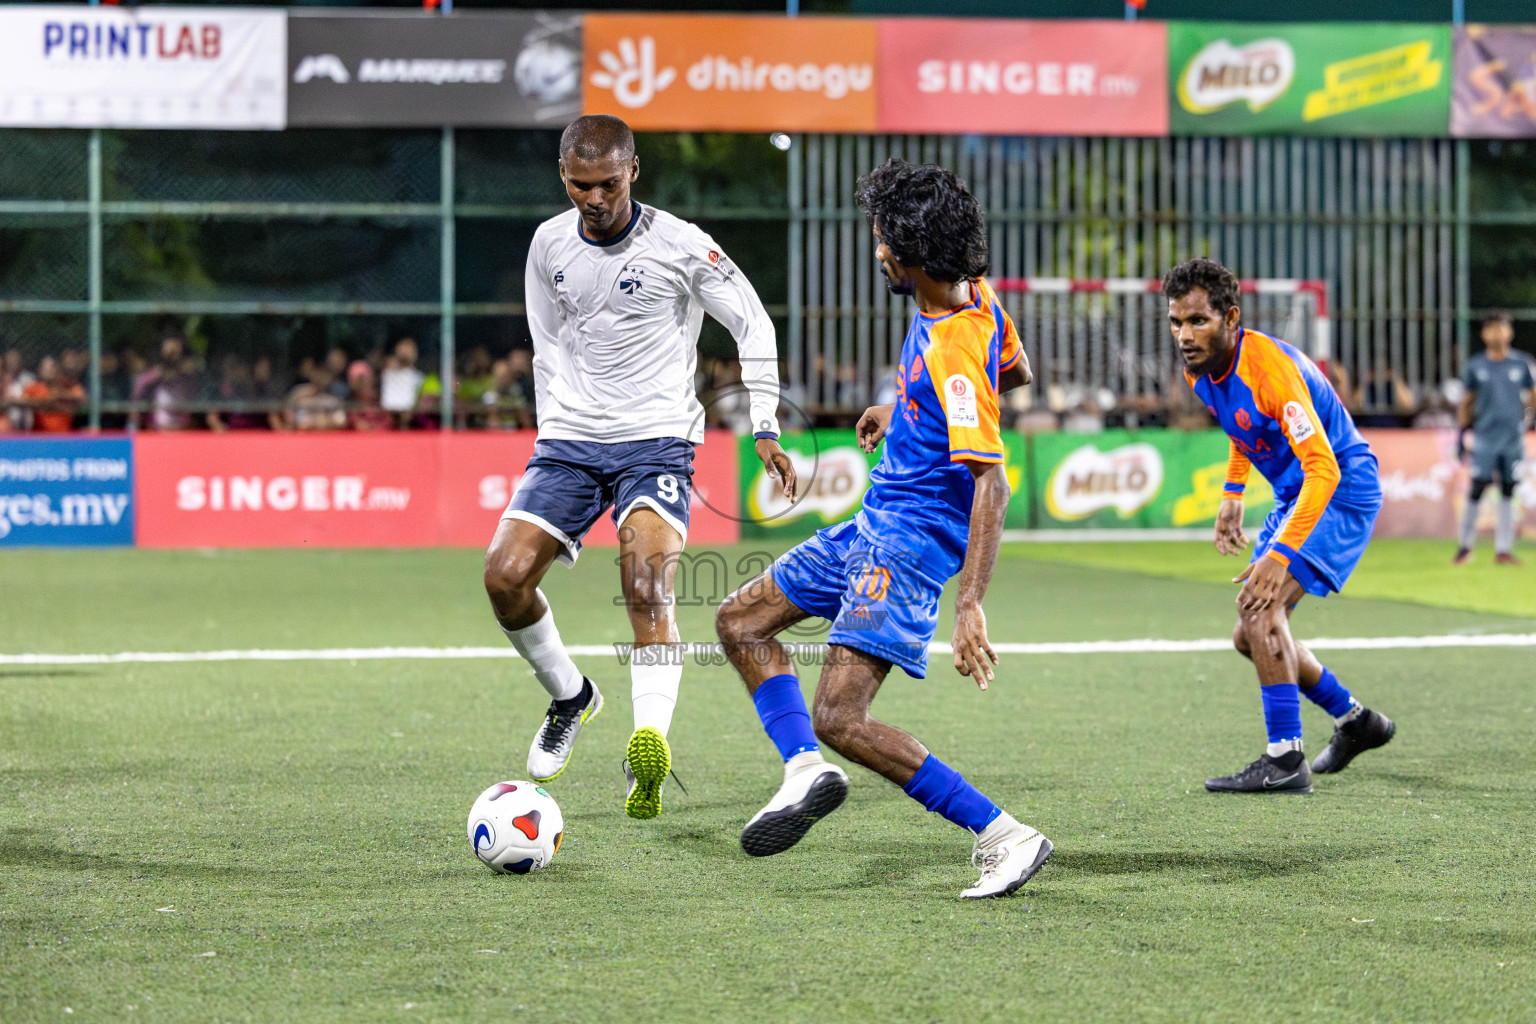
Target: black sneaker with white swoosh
{"x":1288,"y":773}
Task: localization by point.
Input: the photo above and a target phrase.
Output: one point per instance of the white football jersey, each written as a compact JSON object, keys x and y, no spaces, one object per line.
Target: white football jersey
{"x":615,"y":328}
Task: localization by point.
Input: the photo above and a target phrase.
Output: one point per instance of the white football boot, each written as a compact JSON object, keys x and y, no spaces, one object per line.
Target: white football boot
{"x":1008,"y":857}
{"x":812,"y":789}
{"x":550,"y":751}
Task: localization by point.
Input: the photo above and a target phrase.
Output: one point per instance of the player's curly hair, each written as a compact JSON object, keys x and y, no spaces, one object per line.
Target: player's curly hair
{"x":927,"y":218}
{"x":1220,"y":284}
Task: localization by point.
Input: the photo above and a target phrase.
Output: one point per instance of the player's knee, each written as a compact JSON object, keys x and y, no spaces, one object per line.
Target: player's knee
{"x":646,"y":591}
{"x":732,"y":622}
{"x":1263,"y":630}
{"x":1507,"y":488}
{"x":509,"y":577}
{"x":1240,"y":638}
{"x":836,"y":725}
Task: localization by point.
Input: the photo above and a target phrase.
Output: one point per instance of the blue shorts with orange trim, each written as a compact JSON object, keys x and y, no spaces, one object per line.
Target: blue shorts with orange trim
{"x":1336,"y":544}
{"x":875,"y":597}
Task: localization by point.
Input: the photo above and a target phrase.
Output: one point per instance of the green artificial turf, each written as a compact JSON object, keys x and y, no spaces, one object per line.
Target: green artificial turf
{"x":1417,"y":571}
{"x":304,"y":821}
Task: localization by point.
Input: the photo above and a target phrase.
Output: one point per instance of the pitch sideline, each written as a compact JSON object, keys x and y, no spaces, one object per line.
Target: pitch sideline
{"x":1148,"y":646}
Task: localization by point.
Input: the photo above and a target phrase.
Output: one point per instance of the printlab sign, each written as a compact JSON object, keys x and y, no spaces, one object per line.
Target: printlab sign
{"x":66,"y":492}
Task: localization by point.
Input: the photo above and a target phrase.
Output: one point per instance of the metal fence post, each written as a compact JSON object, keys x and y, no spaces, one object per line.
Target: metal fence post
{"x":93,"y":294}
{"x":1463,"y":248}
{"x":447,"y":283}
{"x":796,"y":259}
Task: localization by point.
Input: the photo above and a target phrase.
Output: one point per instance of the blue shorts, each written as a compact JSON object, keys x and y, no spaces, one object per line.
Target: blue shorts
{"x":568,"y":484}
{"x":877,"y":600}
{"x":1335,"y":545}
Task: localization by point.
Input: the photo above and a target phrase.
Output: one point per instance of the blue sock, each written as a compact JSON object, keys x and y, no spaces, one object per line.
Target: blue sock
{"x":1331,"y":695}
{"x":781,"y":706}
{"x":1282,"y":711}
{"x":943,"y":790}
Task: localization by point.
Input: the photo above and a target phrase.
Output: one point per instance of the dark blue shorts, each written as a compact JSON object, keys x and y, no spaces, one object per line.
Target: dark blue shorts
{"x":568,"y":484}
{"x":877,"y":600}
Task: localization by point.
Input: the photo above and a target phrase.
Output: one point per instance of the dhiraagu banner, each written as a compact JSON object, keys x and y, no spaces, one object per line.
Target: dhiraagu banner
{"x":1246,"y":78}
{"x":1138,"y":480}
{"x":834,"y":474}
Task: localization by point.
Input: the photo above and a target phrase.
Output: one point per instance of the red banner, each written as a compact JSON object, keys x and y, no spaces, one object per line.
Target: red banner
{"x":1425,"y":489}
{"x":259,"y":490}
{"x":958,"y":76}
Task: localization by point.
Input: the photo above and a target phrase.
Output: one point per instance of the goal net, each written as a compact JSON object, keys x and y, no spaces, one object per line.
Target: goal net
{"x":1111,"y":335}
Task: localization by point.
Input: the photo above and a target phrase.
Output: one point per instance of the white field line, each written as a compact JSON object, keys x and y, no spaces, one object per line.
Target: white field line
{"x":1355,"y":643}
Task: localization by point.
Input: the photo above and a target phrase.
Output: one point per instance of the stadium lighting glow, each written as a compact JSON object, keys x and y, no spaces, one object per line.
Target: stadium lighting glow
{"x":781,"y":142}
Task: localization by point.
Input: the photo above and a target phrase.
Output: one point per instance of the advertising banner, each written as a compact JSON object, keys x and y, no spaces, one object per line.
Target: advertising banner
{"x":1023,"y":77}
{"x":141,"y":67}
{"x":66,"y":492}
{"x":481,"y":470}
{"x":427,"y":70}
{"x":261,"y":490}
{"x":1244,"y":78}
{"x":1145,"y":479}
{"x":731,"y":73}
{"x":1494,"y":92}
{"x":1424,"y":487}
{"x":834,"y":474}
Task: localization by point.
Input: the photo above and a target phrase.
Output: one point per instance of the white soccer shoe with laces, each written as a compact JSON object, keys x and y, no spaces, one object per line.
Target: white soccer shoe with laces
{"x":810,"y":792}
{"x":1009,"y":864}
{"x":550,"y":750}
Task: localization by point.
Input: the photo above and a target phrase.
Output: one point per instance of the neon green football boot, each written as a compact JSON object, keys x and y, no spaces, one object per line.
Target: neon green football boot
{"x":647,"y":761}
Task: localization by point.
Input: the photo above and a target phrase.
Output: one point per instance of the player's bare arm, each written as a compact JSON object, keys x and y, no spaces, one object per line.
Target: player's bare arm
{"x":1017,"y":376}
{"x":974,"y":656}
{"x":872,"y":426}
{"x":1230,"y":538}
{"x":778,"y":465}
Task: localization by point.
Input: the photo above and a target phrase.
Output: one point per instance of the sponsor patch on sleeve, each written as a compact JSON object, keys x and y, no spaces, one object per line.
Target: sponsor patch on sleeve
{"x":1299,"y":424}
{"x":960,"y":407}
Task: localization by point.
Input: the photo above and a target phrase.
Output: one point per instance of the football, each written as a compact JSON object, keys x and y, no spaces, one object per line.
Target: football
{"x":515,"y":827}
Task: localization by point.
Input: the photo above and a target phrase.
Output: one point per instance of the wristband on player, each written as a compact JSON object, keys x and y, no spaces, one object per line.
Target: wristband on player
{"x":766,"y":435}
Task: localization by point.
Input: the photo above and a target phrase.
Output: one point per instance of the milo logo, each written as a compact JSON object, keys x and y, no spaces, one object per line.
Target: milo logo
{"x":831,"y":485}
{"x":1126,"y":479}
{"x":1221,"y":74}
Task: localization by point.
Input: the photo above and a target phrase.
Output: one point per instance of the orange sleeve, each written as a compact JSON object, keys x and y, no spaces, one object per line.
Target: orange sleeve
{"x":1282,"y":394}
{"x":1012,"y":347}
{"x":957,"y":365}
{"x":1237,"y":473}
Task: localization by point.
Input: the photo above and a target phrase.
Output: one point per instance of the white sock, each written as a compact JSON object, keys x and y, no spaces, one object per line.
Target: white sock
{"x":540,"y":646}
{"x":1004,"y":826}
{"x":803,"y":760}
{"x":1283,"y":747}
{"x":1356,"y":709}
{"x":654,"y":680}
{"x":1504,"y":529}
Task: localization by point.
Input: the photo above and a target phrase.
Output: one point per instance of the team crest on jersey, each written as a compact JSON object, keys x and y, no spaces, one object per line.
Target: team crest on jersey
{"x":960,"y":402}
{"x":631,"y":280}
{"x":1242,"y":419}
{"x":1300,"y":423}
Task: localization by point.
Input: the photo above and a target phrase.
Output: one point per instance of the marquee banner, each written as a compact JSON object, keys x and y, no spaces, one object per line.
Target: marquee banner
{"x":142,"y":67}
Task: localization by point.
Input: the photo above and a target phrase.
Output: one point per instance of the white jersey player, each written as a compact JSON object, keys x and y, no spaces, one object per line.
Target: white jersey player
{"x":616,"y":294}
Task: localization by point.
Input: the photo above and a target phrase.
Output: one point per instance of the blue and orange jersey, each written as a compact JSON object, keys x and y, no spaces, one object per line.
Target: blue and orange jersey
{"x":919,"y":497}
{"x":1284,"y":418}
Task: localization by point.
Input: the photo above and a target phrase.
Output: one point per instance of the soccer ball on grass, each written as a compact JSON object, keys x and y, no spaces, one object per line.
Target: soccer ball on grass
{"x":515,"y":827}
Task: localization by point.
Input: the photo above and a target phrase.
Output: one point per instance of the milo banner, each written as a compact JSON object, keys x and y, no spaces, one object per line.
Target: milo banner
{"x":1494,"y":95}
{"x":1240,"y":78}
{"x":1146,"y":480}
{"x":834,"y":474}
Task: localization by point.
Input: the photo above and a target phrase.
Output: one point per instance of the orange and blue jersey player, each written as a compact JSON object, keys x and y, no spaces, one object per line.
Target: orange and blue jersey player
{"x":934,"y":508}
{"x":1284,"y":419}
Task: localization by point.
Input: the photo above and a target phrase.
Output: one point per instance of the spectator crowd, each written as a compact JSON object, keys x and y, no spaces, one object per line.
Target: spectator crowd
{"x":387,"y":389}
